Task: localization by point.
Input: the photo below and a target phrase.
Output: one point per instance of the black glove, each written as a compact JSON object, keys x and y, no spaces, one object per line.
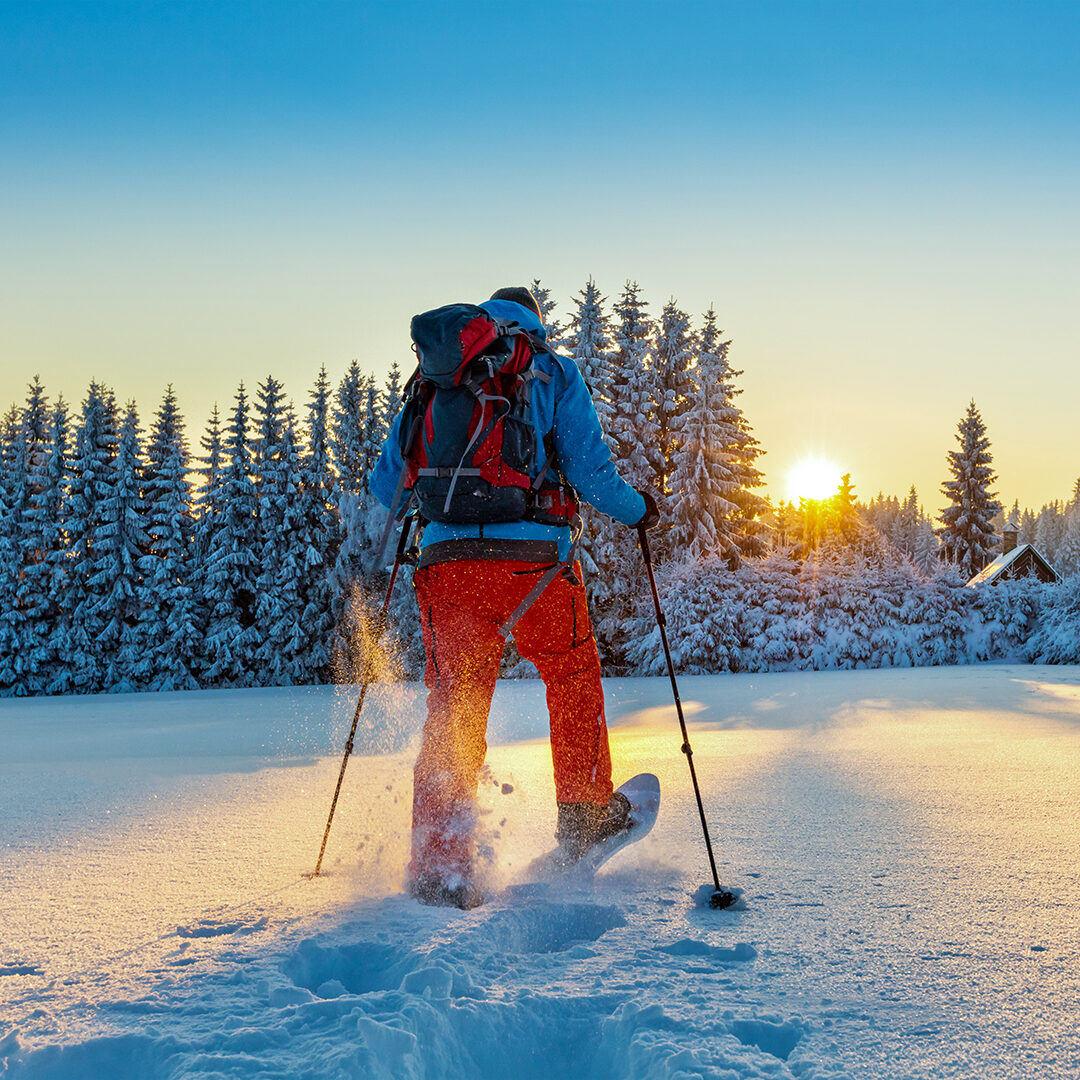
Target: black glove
{"x":651,"y":517}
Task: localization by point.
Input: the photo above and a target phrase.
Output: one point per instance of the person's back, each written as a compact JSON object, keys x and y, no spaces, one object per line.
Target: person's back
{"x":473,"y":581}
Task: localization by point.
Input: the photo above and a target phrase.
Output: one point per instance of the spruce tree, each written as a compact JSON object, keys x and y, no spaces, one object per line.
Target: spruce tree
{"x":631,"y":434}
{"x":742,"y":450}
{"x":49,"y":574}
{"x":320,"y":534}
{"x":275,"y":486}
{"x":347,"y":430}
{"x":673,"y":389}
{"x":12,"y":466}
{"x":1050,"y":529}
{"x":208,"y":500}
{"x":120,"y":548}
{"x":847,"y":515}
{"x":347,"y":444}
{"x":279,"y":606}
{"x":33,"y":532}
{"x":589,"y":343}
{"x":589,"y":346}
{"x":232,"y":564}
{"x":703,"y":515}
{"x":172,"y":616}
{"x":93,"y":475}
{"x":1067,"y":559}
{"x":1027,"y":527}
{"x":906,"y":533}
{"x":375,"y":429}
{"x":391,"y":396}
{"x":967,"y":532}
{"x":631,"y":427}
{"x":554,"y":330}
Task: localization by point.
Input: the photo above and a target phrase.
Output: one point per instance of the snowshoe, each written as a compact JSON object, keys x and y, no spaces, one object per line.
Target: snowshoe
{"x":431,"y":890}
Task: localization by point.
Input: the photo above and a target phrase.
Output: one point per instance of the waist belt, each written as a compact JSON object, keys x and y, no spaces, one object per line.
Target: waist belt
{"x":538,"y":551}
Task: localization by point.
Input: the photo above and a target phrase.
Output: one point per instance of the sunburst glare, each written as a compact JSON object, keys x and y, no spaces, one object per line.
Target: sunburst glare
{"x":813,"y":478}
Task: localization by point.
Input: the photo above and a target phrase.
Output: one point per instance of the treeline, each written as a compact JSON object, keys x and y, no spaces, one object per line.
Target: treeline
{"x":128,"y":562}
{"x":118,"y":572}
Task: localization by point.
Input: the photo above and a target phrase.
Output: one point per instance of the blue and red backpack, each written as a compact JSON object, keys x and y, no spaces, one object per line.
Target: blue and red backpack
{"x":467,"y":435}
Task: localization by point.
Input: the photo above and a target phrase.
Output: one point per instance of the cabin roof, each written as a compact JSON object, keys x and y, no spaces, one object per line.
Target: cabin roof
{"x":994,"y":570}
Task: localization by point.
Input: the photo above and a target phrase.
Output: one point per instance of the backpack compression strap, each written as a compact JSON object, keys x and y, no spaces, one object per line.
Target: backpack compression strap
{"x":549,"y":576}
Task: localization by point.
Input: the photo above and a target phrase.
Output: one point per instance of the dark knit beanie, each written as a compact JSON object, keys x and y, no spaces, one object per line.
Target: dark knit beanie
{"x":519,"y":295}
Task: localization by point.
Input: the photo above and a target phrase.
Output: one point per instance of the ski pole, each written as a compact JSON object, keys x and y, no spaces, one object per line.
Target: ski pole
{"x":368,"y":678}
{"x":720,"y":898}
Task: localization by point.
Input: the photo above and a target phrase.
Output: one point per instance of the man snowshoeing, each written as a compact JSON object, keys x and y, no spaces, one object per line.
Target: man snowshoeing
{"x":474,"y":579}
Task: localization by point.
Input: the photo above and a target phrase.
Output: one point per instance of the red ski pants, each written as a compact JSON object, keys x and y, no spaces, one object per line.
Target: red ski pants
{"x":462,"y":605}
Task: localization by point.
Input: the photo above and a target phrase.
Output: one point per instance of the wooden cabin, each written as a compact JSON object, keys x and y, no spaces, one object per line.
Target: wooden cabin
{"x":1015,"y":561}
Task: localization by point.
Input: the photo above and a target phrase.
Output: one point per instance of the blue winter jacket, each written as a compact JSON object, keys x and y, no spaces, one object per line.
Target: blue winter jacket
{"x":563,"y":406}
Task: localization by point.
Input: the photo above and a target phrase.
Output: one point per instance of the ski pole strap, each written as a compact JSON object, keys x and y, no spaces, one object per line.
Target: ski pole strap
{"x":549,"y":576}
{"x":396,"y":501}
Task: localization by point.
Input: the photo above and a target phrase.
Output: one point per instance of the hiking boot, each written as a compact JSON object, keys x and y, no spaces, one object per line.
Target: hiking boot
{"x":430,"y":889}
{"x":583,"y":825}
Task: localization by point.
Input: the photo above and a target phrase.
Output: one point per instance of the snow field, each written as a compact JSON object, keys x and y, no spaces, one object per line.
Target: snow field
{"x":906,"y":840}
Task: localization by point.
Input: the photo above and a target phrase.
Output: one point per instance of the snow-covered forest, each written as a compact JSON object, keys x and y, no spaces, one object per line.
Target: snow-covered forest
{"x":130,"y":560}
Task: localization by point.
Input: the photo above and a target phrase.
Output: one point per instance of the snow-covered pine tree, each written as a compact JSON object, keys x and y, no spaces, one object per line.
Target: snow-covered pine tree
{"x":363,"y":517}
{"x":49,"y":573}
{"x":172,"y":616}
{"x":589,"y":343}
{"x":1027,"y":527}
{"x":208,"y":500}
{"x":279,"y":606}
{"x":320,"y":535}
{"x":375,"y":427}
{"x":120,"y":549}
{"x":706,"y":519}
{"x":742,"y":449}
{"x":1067,"y":559}
{"x":847,"y":516}
{"x":967,"y":535}
{"x":673,"y":393}
{"x":84,"y":660}
{"x":553,"y":328}
{"x":35,"y":532}
{"x":232,"y":564}
{"x":347,"y":430}
{"x":276,"y":486}
{"x":905,"y":532}
{"x":924,"y":553}
{"x":12,"y":485}
{"x":787,"y":526}
{"x":391,"y":396}
{"x":630,"y":431}
{"x":348,"y":448}
{"x":1050,"y":529}
{"x":632,"y":424}
{"x":34,"y":447}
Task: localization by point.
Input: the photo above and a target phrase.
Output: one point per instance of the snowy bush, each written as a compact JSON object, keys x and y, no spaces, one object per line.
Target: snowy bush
{"x":1055,"y":638}
{"x":835,"y":610}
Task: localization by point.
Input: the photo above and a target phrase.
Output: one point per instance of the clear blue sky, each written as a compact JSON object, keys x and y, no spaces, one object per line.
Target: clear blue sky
{"x":880,"y":199}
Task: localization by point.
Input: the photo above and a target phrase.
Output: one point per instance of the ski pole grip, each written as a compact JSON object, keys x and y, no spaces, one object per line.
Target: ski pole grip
{"x":643,"y":540}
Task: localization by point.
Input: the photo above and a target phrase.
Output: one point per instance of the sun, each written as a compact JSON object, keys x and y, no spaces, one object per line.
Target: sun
{"x":813,"y":478}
